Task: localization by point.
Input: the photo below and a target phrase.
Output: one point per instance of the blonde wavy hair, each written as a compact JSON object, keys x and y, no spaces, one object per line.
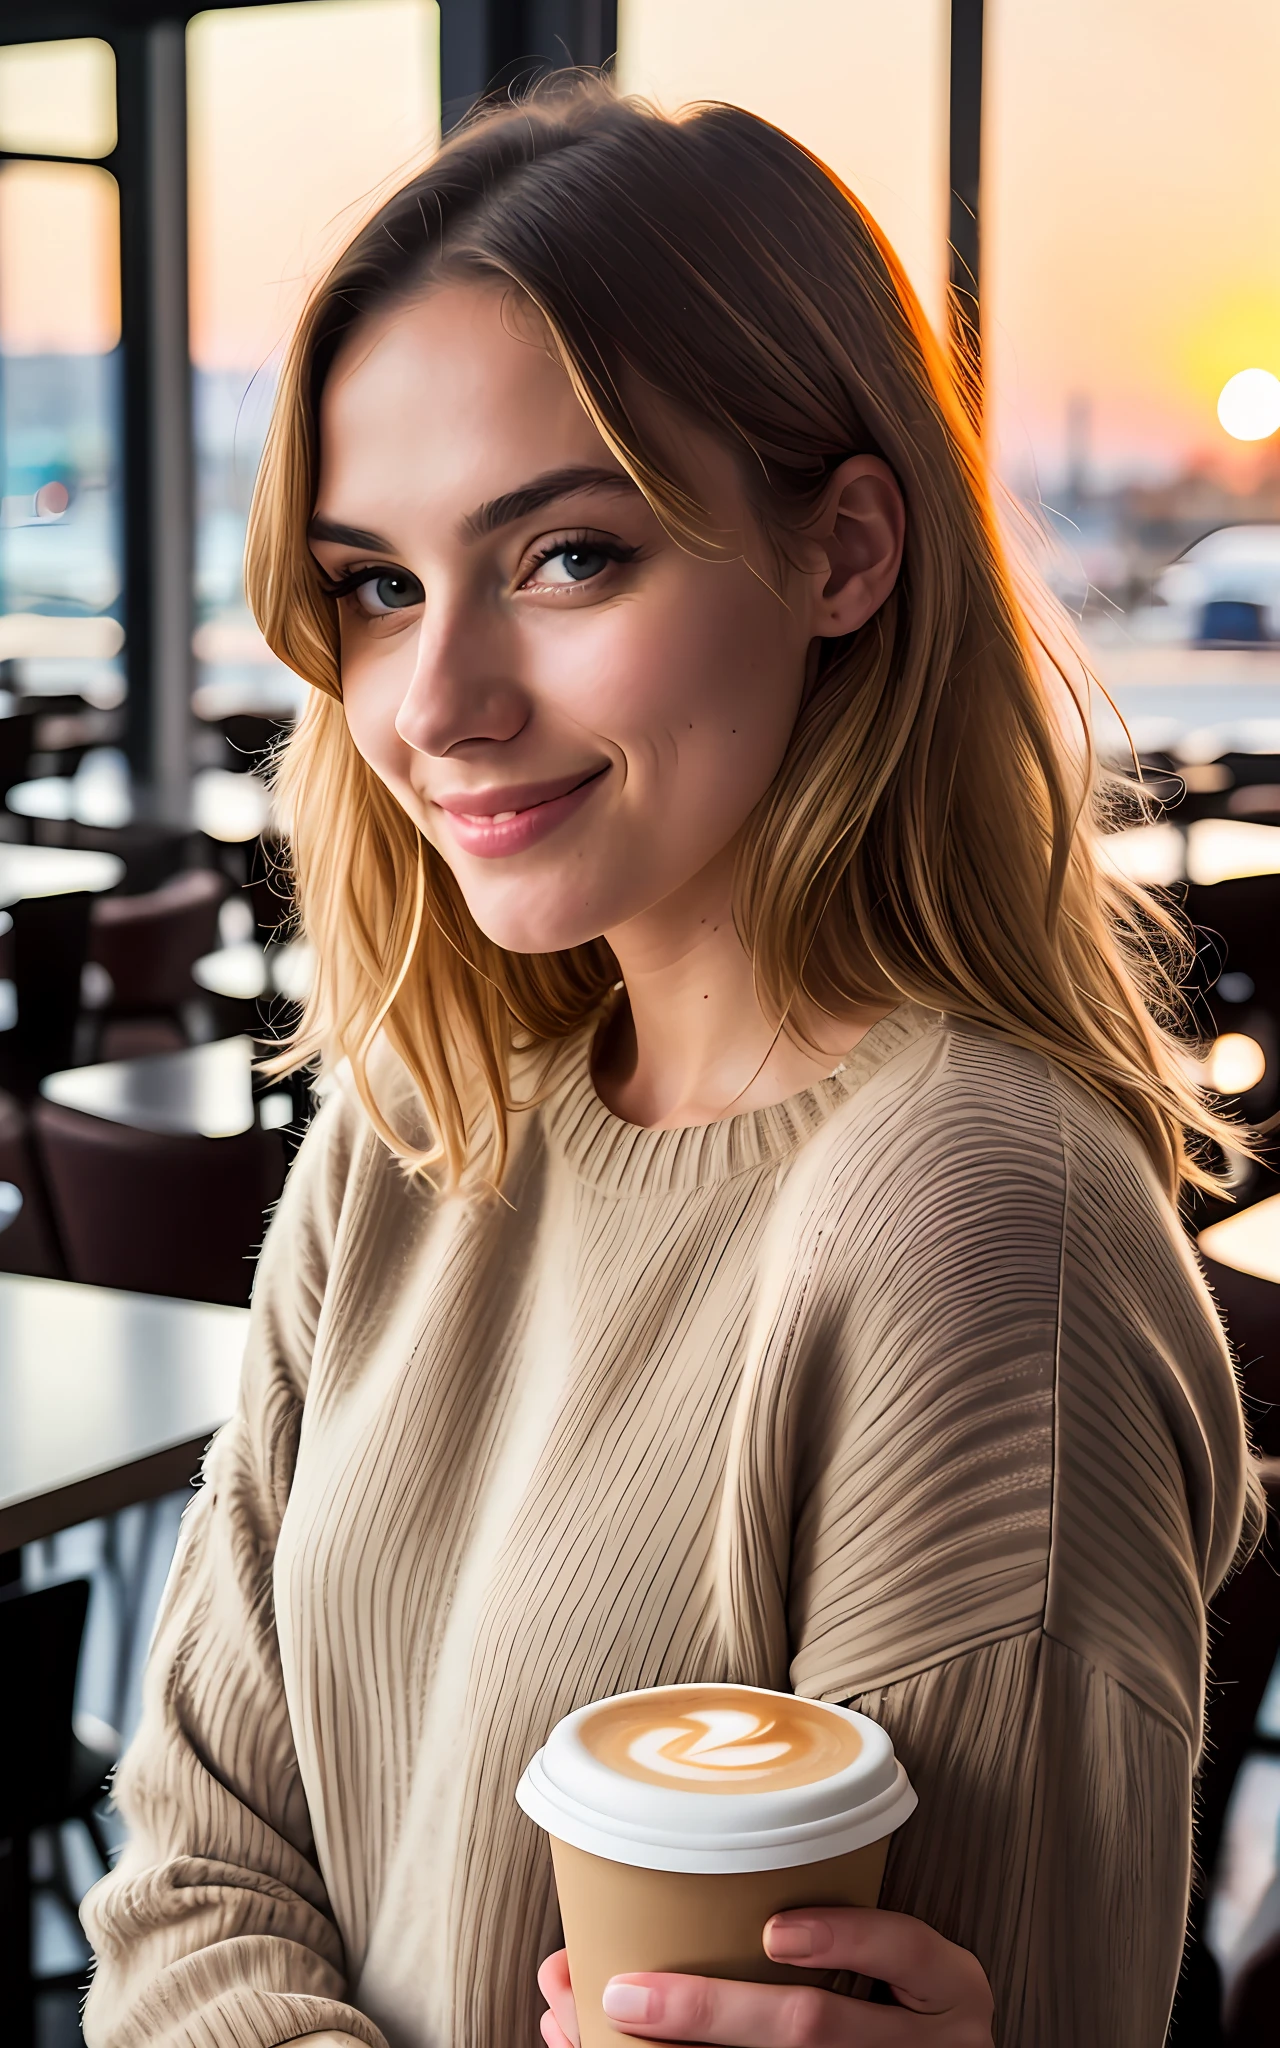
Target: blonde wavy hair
{"x":933,"y":832}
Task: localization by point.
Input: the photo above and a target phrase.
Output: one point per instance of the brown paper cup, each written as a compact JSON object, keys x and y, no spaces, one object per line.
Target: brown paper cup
{"x":682,"y":1817}
{"x":618,"y":1918}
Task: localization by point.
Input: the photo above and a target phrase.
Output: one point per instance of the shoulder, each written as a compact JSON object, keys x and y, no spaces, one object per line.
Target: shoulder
{"x":974,"y":1207}
{"x":961,"y":1129}
{"x":951,"y":1152}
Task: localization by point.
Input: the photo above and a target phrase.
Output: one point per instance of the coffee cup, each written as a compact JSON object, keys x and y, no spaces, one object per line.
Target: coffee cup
{"x":682,"y":1817}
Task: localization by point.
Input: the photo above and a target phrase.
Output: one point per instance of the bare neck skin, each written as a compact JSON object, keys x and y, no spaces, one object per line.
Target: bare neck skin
{"x":690,"y":1044}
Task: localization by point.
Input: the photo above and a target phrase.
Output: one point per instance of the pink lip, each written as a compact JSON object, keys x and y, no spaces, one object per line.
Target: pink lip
{"x":494,"y":822}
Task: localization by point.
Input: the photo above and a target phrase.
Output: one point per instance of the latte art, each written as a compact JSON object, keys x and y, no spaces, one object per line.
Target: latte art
{"x":704,"y":1738}
{"x":724,"y":1744}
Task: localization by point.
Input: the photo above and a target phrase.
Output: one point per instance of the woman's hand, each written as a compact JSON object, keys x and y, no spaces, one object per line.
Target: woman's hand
{"x":943,"y":1998}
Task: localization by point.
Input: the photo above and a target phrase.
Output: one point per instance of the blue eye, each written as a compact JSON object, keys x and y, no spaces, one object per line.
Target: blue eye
{"x":393,"y":591}
{"x":579,"y":560}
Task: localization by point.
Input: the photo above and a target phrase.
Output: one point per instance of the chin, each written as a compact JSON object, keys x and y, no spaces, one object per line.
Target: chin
{"x":524,"y":928}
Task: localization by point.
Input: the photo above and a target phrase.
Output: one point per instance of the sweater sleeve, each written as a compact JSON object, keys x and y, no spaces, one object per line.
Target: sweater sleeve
{"x":1052,"y":1838}
{"x":213,"y":1930}
{"x":1001,"y":1460}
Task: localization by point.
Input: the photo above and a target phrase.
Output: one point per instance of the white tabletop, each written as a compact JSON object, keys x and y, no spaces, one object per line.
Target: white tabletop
{"x":55,"y":871}
{"x":1249,"y":1240}
{"x":205,"y":1091}
{"x":246,"y":971}
{"x":106,"y":1398}
{"x":228,"y":807}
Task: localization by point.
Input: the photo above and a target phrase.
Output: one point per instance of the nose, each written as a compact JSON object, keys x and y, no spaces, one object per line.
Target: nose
{"x":461,"y":692}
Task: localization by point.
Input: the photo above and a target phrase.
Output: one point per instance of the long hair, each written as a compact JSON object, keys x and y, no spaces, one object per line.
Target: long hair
{"x":935,"y":829}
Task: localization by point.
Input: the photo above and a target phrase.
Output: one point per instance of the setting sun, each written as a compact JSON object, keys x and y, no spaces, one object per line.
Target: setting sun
{"x":1249,"y":405}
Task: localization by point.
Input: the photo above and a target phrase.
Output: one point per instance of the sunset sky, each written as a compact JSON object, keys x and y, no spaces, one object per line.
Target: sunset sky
{"x":1131,"y":203}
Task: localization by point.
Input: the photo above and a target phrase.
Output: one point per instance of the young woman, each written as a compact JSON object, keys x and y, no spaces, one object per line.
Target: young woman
{"x":739,"y":1239}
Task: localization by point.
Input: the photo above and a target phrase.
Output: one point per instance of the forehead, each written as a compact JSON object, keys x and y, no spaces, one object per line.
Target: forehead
{"x":441,"y":404}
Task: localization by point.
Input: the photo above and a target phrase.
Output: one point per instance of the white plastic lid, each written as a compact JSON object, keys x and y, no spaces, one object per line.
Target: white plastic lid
{"x":580,"y":1800}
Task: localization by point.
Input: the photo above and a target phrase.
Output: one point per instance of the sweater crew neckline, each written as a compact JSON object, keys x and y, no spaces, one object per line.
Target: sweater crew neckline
{"x":620,"y":1158}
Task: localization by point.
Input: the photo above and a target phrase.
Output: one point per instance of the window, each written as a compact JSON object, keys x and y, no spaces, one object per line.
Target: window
{"x":58,"y":99}
{"x":862,"y":85}
{"x":1131,"y":214}
{"x":300,"y":118}
{"x":60,"y":555}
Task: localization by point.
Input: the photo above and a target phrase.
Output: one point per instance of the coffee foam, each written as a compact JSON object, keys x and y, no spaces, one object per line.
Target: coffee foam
{"x":811,"y":1780}
{"x":720,"y":1739}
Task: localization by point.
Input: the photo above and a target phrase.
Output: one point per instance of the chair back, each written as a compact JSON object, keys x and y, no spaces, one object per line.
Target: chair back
{"x":148,"y":944}
{"x":40,"y":1636}
{"x":1241,"y":915}
{"x":155,"y":1213}
{"x":47,"y":943}
{"x":16,"y":741}
{"x":28,"y":1242}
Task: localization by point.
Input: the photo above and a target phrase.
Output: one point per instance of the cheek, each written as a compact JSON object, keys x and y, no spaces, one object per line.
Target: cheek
{"x":372,"y":694}
{"x":706,"y":695}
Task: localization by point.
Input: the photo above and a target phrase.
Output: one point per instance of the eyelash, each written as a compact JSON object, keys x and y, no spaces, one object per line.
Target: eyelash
{"x":612,"y":550}
{"x":347,"y":585}
{"x":565,"y":543}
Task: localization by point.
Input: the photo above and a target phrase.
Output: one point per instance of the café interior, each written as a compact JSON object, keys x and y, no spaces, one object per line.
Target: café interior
{"x":170,"y":181}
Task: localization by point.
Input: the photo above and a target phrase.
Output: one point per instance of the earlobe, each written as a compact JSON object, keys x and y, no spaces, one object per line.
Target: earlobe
{"x":861,"y":532}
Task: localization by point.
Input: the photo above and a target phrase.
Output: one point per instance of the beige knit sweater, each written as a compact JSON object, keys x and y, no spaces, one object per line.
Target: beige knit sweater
{"x":906,"y":1392}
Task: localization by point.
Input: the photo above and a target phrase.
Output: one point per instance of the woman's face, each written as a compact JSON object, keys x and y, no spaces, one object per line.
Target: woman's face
{"x":577,"y":712}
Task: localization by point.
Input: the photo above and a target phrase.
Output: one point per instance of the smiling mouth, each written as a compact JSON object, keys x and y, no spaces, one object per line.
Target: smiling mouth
{"x":506,"y":821}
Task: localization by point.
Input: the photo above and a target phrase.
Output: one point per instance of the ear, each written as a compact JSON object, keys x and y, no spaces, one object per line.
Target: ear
{"x":859,"y":532}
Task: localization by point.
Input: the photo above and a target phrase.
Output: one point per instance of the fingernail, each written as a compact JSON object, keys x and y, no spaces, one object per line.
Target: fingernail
{"x":629,"y":2001}
{"x":790,"y":1938}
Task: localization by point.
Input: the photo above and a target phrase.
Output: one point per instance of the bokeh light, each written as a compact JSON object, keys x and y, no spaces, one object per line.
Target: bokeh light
{"x":1249,"y":405}
{"x":1235,"y":1064}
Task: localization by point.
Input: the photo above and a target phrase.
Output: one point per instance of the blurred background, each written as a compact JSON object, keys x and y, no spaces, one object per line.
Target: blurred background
{"x":1086,"y":197}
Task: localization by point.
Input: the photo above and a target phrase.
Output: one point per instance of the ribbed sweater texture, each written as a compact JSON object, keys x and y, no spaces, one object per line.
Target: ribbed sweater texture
{"x":906,"y":1392}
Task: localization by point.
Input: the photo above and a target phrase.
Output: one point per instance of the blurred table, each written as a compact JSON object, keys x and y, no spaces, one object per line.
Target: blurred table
{"x":1209,"y":851}
{"x":1249,"y":1241}
{"x":205,"y":1091}
{"x":1194,"y":703}
{"x":29,"y":871}
{"x":228,"y":807}
{"x":246,"y":972}
{"x":105,"y":1399}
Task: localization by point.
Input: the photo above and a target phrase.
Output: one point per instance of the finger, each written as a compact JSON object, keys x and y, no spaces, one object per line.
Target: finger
{"x":928,"y":1973}
{"x":554,"y":1984}
{"x":552,"y":2032}
{"x":697,"y":2009}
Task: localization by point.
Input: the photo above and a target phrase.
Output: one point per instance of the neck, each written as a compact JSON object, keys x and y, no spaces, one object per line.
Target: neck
{"x":691,"y":1043}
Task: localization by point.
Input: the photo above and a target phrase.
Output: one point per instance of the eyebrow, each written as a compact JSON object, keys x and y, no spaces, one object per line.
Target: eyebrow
{"x":496,"y":512}
{"x":347,"y":536}
{"x":540,"y":491}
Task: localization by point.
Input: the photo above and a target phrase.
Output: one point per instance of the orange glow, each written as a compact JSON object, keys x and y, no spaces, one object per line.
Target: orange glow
{"x":1131,"y":217}
{"x":59,"y":259}
{"x":862,"y":85}
{"x":299,"y":118}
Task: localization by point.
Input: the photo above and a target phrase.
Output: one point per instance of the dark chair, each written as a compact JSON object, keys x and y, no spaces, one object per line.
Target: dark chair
{"x":154,"y":1213}
{"x":1254,"y":2002}
{"x":147,"y":946}
{"x":1244,"y":1641}
{"x":52,"y":1770}
{"x":16,"y":741}
{"x":48,"y":941}
{"x":269,"y":888}
{"x":249,"y":738}
{"x":1237,"y":921}
{"x":29,"y":1244}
